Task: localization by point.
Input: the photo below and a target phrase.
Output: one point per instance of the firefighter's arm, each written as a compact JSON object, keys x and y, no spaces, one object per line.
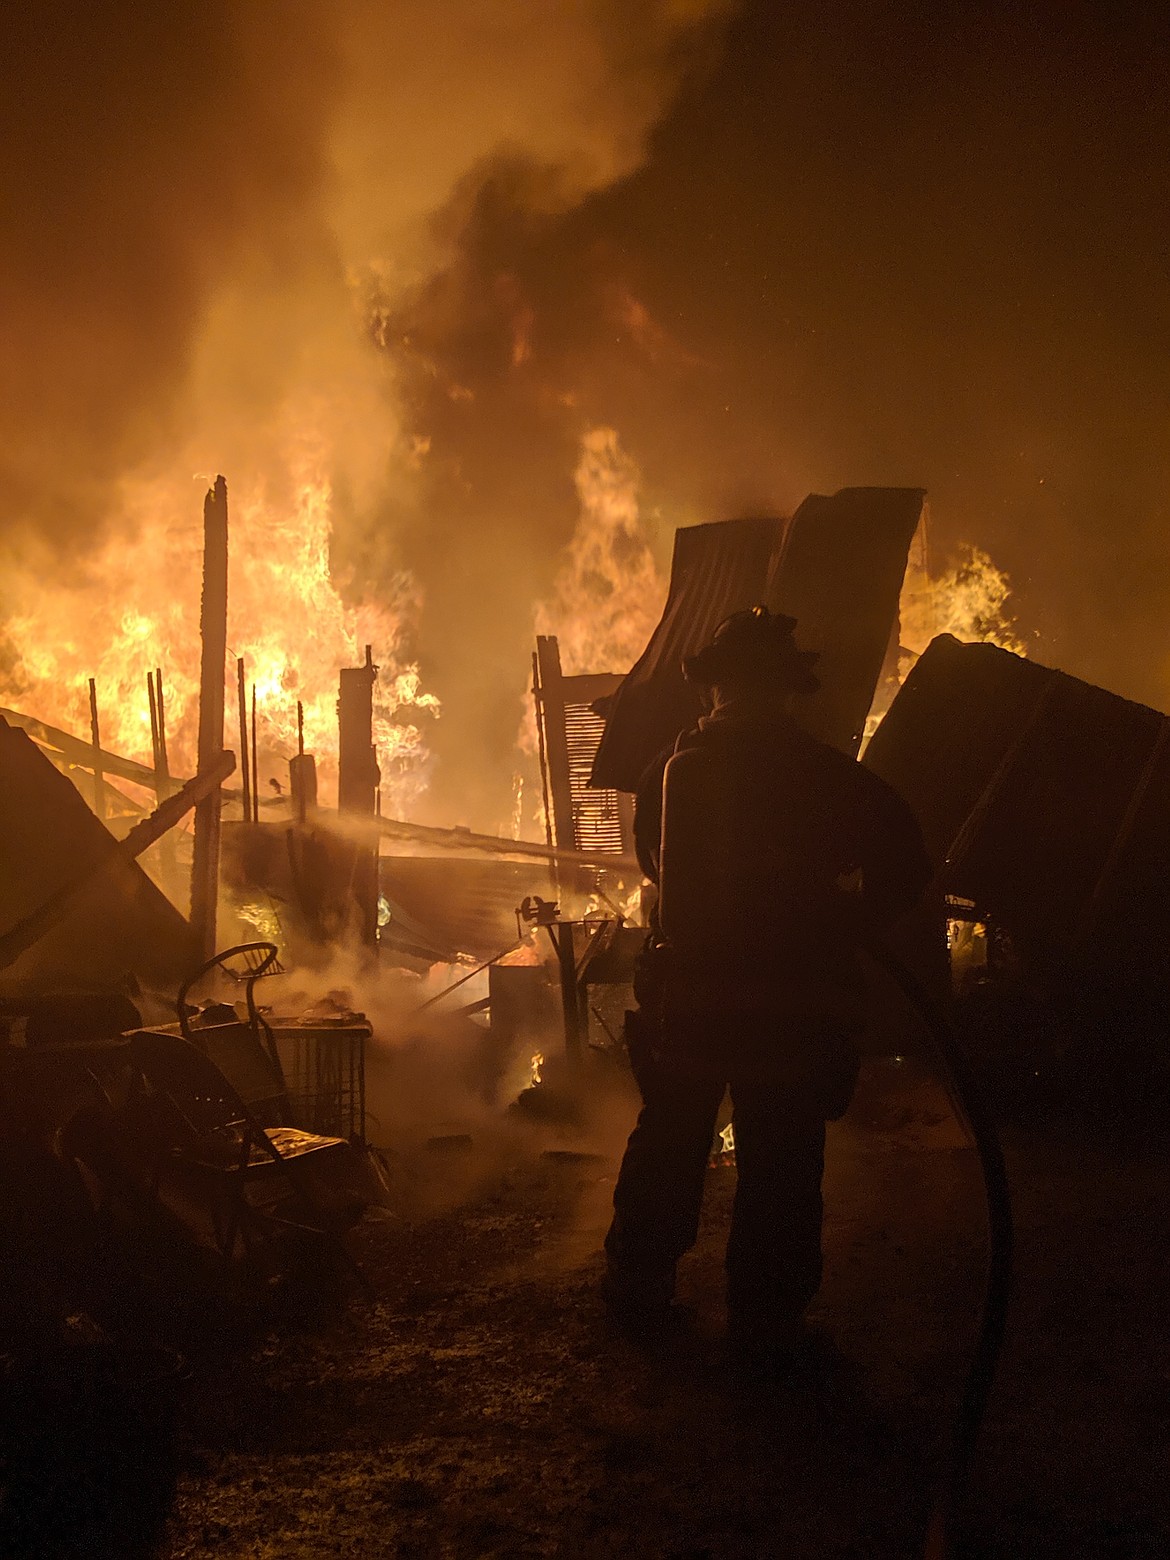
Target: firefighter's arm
{"x":648,"y":815}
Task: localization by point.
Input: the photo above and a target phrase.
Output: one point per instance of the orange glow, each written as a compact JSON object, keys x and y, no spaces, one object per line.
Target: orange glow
{"x":135,"y":606}
{"x":609,"y":593}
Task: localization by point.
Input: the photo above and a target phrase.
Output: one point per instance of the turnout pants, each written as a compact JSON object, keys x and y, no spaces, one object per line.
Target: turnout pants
{"x":774,"y":1246}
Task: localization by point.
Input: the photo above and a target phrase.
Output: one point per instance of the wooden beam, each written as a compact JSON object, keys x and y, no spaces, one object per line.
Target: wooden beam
{"x":492,"y":845}
{"x":245,"y":771}
{"x":358,"y":783}
{"x":212,"y":677}
{"x":40,"y":921}
{"x":80,"y":753}
{"x":551,"y":714}
{"x":99,"y":797}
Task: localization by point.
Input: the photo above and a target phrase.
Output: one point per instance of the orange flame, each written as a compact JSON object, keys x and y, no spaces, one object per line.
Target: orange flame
{"x":609,"y":594}
{"x":969,"y":599}
{"x":134,"y":605}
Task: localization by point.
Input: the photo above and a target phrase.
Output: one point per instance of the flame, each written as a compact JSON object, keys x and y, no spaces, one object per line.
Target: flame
{"x":969,"y":599}
{"x":724,"y":1153}
{"x":527,"y":955}
{"x":134,"y":606}
{"x":609,"y":593}
{"x":627,"y":904}
{"x":537,"y":1064}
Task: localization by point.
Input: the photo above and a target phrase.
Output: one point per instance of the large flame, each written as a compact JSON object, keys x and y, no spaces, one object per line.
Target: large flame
{"x":609,"y":593}
{"x":134,"y":606}
{"x":969,"y":599}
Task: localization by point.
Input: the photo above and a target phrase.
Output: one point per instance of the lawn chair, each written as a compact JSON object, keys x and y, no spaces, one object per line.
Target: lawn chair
{"x":248,"y":1066}
{"x":207,"y":1146}
{"x":253,"y":961}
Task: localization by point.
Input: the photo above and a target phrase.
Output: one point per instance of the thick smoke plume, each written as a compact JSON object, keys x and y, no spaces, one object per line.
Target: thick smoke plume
{"x":212,"y":214}
{"x":193,"y":195}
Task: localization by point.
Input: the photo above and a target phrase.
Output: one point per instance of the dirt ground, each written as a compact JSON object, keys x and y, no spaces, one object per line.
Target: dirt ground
{"x":476,"y":1405}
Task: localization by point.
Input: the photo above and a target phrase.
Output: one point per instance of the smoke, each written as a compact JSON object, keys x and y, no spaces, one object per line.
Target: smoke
{"x":448,"y":1100}
{"x":198,"y":202}
{"x":149,"y":156}
{"x":217,"y":220}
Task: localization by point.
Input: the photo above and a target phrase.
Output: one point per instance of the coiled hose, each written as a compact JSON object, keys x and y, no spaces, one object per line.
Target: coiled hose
{"x":971,"y":1109}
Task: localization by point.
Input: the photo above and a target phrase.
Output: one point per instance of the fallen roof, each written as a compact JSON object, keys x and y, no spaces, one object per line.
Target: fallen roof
{"x":118,"y":924}
{"x":1042,"y":798}
{"x":836,"y":566}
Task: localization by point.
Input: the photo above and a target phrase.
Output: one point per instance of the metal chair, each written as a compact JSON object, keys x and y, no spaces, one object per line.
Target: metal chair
{"x":205,"y":1139}
{"x":257,"y":959}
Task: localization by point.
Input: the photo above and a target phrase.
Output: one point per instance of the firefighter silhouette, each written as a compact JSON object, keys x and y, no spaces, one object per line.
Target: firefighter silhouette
{"x":771,"y":850}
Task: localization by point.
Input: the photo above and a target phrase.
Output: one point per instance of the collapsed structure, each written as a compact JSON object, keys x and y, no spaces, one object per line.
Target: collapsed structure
{"x":1041,"y":799}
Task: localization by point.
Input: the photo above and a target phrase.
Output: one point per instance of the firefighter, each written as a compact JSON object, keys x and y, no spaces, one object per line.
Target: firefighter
{"x":772,"y":852}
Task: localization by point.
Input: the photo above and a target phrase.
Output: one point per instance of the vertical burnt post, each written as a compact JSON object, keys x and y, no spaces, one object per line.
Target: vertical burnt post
{"x":358,"y":779}
{"x":255,"y":771}
{"x":245,"y":767}
{"x":213,"y":635}
{"x":99,"y":779}
{"x":554,"y":742}
{"x":563,"y":942}
{"x":302,"y":773}
{"x":162,"y":774}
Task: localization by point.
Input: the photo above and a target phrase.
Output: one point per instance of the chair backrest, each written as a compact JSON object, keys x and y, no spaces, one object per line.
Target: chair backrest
{"x":239,"y":1055}
{"x":189,"y":1078}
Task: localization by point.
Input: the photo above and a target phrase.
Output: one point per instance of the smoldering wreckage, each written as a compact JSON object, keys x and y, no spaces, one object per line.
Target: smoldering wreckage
{"x":165,"y":1118}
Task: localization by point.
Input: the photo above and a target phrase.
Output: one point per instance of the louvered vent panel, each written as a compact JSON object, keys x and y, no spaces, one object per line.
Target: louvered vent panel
{"x":596,"y":821}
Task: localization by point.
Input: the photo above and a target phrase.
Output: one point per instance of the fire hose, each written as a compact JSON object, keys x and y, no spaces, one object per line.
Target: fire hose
{"x":971,"y":1109}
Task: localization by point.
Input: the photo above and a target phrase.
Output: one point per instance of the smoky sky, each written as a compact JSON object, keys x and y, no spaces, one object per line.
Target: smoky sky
{"x":145,"y":151}
{"x":813,"y":247}
{"x":871,"y":245}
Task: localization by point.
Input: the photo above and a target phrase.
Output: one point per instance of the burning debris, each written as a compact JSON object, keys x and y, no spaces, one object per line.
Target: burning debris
{"x":135,"y":607}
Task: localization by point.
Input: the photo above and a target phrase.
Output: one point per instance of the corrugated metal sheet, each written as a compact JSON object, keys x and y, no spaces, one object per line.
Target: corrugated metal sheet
{"x":1042,"y":798}
{"x":836,"y":567}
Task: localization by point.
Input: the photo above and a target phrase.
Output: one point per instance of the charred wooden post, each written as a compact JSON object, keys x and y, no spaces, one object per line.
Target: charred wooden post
{"x":358,"y":780}
{"x":152,"y":701}
{"x":302,"y":773}
{"x":99,"y":786}
{"x":162,"y":773}
{"x":550,"y":719}
{"x":570,"y":991}
{"x":245,"y":769}
{"x":255,"y":775}
{"x":538,"y":702}
{"x":162,"y":764}
{"x":213,"y":633}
